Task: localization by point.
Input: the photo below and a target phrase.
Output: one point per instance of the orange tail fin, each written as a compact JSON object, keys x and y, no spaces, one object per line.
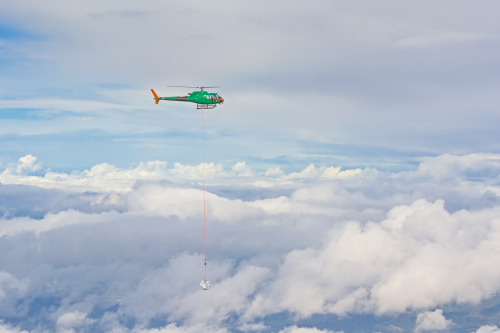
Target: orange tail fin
{"x":157,"y":99}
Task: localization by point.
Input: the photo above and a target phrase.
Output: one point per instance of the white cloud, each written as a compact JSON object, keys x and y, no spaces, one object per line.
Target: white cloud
{"x":419,"y":257}
{"x":274,"y":172}
{"x":51,"y":106}
{"x":313,"y":172}
{"x":241,"y":169}
{"x":72,"y":322}
{"x":9,"y":329}
{"x":488,"y":329}
{"x":232,"y":297}
{"x":27,"y":164}
{"x":61,"y":219}
{"x":376,"y":243}
{"x":295,"y":329}
{"x":432,"y":321}
{"x":12,"y":289}
{"x":447,"y":166}
{"x":105,"y":177}
{"x":335,"y":173}
{"x":173,"y":328}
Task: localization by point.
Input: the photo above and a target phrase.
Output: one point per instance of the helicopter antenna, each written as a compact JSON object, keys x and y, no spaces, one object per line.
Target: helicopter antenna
{"x":199,"y":87}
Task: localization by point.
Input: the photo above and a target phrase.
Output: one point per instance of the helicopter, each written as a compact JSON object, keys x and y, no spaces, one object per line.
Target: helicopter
{"x":202,"y":98}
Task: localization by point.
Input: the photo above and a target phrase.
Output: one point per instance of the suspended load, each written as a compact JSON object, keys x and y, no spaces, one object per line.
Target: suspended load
{"x":205,"y":285}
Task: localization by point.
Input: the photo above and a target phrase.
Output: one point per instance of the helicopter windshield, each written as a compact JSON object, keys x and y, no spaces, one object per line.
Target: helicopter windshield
{"x":216,"y":98}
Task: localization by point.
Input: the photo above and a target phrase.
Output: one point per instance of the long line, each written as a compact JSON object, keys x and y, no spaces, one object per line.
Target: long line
{"x":204,"y":222}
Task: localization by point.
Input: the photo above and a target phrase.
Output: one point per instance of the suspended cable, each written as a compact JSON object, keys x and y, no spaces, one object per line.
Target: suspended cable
{"x":204,"y":284}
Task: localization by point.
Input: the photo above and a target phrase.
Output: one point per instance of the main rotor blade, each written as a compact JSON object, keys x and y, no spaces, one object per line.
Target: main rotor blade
{"x":199,"y":87}
{"x":182,"y":86}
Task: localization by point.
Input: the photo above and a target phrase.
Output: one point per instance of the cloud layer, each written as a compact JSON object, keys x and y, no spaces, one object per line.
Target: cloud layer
{"x":120,"y":250}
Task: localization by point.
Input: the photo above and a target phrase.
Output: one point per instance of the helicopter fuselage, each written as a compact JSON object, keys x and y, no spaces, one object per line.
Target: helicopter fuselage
{"x":203,"y":99}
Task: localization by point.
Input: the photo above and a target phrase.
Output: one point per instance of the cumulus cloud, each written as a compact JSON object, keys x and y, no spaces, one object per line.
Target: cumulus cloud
{"x":432,"y":321}
{"x":488,"y":329}
{"x":128,"y":256}
{"x":107,"y":177}
{"x":27,"y":164}
{"x":418,"y":257}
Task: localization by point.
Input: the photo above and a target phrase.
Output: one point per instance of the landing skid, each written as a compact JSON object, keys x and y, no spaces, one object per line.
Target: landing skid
{"x":205,"y":106}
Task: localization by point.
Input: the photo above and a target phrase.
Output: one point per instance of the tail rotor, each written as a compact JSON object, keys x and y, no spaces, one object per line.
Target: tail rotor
{"x":157,"y":98}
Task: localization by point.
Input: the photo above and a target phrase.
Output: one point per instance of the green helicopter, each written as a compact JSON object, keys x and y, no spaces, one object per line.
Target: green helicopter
{"x":202,"y":98}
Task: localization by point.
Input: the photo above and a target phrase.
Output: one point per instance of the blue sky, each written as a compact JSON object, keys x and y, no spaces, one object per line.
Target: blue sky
{"x":386,"y":76}
{"x":352,"y":172}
